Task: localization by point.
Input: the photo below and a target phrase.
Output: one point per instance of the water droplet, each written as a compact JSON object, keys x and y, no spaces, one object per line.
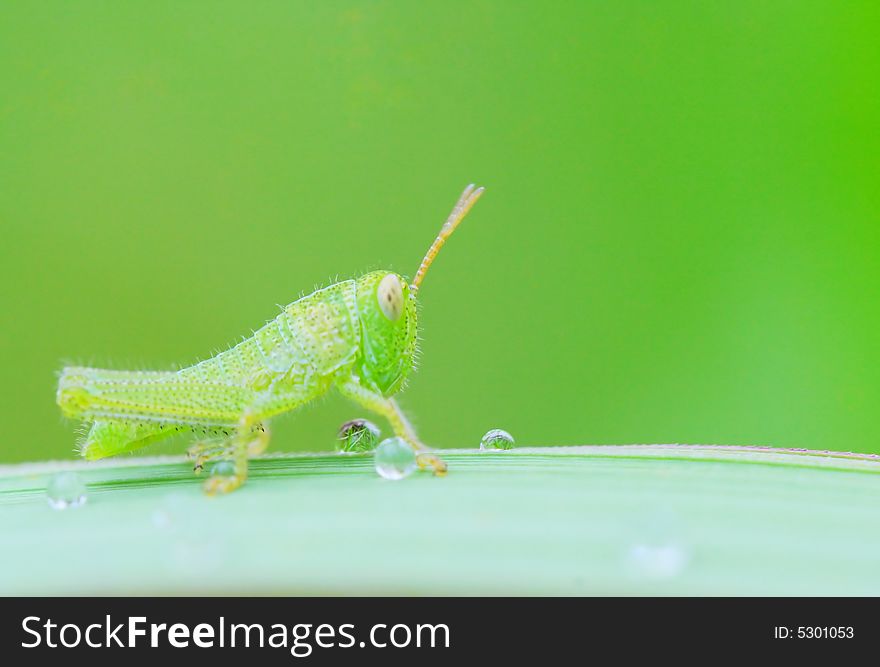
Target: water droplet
{"x":496,"y":439}
{"x":357,"y":435}
{"x":223,"y":469}
{"x":395,"y":459}
{"x":657,"y":561}
{"x":65,"y":490}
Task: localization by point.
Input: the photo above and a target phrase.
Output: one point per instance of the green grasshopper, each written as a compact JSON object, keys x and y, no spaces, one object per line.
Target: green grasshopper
{"x":358,"y":336}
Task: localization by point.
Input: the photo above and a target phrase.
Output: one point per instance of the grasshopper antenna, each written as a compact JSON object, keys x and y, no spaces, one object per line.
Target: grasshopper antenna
{"x":464,"y":204}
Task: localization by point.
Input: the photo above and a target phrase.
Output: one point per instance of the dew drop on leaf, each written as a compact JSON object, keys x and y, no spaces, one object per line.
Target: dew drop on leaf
{"x":395,"y":459}
{"x":66,"y":490}
{"x":357,"y":435}
{"x":496,"y":439}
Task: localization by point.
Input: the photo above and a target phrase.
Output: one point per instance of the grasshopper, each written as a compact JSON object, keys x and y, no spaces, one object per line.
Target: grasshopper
{"x":357,"y":336}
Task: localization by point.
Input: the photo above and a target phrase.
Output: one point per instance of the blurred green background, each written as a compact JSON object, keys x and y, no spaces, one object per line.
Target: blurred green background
{"x":679,"y":242}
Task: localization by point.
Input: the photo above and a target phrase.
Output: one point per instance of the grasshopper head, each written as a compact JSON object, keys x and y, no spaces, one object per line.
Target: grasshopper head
{"x":387,"y":309}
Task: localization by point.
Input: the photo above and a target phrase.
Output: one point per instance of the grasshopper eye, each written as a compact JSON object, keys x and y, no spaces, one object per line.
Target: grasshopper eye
{"x":390,"y":295}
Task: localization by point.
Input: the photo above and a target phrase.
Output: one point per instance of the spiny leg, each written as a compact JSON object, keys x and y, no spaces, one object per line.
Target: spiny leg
{"x":388,"y":408}
{"x":210,"y":448}
{"x":205,"y":451}
{"x":251,"y":438}
{"x":222,"y":448}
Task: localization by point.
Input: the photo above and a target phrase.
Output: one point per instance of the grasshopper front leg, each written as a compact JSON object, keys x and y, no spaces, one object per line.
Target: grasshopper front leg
{"x":388,"y":408}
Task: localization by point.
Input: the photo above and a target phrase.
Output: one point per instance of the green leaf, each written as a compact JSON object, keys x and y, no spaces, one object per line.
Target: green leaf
{"x":661,"y":519}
